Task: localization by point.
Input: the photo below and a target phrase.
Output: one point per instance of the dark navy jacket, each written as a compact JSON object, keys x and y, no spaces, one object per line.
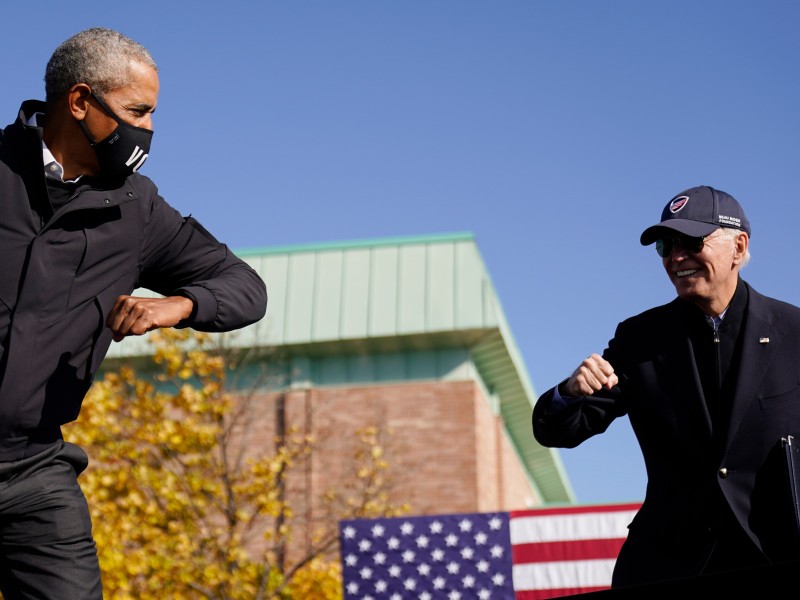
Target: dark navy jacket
{"x":692,"y":477}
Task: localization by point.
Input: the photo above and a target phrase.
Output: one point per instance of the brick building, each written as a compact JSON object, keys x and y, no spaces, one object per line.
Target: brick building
{"x":408,"y":335}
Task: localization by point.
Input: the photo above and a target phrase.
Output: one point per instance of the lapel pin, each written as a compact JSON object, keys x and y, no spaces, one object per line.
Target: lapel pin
{"x":763,"y":340}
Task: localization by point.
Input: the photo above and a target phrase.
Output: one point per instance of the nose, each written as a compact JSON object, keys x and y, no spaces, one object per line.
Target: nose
{"x":678,"y":252}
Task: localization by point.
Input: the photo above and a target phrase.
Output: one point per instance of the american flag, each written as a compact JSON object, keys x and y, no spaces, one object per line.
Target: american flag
{"x":518,"y":555}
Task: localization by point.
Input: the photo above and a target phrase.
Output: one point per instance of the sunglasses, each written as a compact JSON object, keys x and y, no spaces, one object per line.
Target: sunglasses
{"x":665,"y":246}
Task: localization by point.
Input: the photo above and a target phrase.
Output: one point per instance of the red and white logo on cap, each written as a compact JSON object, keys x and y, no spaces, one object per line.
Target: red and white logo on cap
{"x":678,"y":203}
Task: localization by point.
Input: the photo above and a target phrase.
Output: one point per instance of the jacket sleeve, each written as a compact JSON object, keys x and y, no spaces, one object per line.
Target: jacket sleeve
{"x":566,"y":425}
{"x":180,"y":257}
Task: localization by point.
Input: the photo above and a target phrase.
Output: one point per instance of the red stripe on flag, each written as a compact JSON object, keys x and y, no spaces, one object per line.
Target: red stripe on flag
{"x":568,"y":510}
{"x":566,"y":550}
{"x":541,"y":594}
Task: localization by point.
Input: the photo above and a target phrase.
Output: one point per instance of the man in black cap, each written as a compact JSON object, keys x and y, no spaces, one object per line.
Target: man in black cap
{"x":710,"y":383}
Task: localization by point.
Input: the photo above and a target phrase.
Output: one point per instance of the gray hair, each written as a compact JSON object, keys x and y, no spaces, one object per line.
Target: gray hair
{"x":98,"y":57}
{"x":731,"y":234}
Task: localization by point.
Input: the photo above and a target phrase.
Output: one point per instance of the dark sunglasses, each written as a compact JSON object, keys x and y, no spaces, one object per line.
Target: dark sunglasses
{"x":665,"y":246}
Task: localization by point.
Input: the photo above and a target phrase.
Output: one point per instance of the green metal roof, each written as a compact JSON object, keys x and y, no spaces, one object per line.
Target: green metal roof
{"x":398,"y":294}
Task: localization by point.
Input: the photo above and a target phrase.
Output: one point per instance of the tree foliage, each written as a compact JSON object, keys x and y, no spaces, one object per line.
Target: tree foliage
{"x":184,"y":508}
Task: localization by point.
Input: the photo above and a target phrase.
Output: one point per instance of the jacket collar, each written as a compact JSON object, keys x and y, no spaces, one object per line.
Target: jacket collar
{"x":27,"y":110}
{"x":29,"y":138}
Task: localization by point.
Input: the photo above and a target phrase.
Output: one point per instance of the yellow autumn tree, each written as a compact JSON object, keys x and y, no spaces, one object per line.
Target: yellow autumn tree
{"x":182,"y":509}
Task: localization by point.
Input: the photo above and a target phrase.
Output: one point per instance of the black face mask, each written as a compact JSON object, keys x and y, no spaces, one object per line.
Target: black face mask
{"x":124,"y":150}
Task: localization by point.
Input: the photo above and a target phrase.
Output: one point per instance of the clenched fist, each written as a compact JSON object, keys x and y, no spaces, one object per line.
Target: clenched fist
{"x":134,"y":315}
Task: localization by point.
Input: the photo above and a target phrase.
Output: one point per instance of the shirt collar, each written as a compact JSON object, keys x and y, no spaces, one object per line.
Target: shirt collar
{"x":52,"y":168}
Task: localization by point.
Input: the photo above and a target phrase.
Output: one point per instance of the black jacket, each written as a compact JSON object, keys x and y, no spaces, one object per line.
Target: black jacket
{"x":697,"y":478}
{"x":61,"y":273}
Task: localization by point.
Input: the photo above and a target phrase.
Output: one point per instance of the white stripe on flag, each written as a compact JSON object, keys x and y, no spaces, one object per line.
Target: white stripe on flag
{"x":563,"y":575}
{"x":570,"y":527}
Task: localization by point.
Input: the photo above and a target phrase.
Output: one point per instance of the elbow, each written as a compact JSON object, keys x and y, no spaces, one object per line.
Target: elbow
{"x":257,"y":305}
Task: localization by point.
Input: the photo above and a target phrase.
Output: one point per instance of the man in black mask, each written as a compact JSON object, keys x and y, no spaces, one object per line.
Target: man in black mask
{"x":80,"y":231}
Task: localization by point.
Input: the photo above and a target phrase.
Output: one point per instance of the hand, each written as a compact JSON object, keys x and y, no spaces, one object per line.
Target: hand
{"x":591,"y":376}
{"x":134,"y":315}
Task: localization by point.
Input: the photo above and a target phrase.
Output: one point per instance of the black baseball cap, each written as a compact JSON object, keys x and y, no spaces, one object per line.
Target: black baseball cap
{"x":697,"y":212}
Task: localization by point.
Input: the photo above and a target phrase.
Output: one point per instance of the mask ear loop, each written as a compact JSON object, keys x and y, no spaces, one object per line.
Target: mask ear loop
{"x":88,"y":135}
{"x":106,"y":108}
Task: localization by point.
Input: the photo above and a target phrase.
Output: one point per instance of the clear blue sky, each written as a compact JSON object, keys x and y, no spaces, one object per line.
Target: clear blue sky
{"x":554,"y":131}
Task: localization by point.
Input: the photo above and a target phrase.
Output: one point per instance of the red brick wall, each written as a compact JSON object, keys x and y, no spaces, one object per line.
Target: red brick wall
{"x":447,"y":451}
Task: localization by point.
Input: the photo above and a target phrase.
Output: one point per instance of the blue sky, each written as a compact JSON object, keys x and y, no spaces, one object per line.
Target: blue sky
{"x":555,"y":131}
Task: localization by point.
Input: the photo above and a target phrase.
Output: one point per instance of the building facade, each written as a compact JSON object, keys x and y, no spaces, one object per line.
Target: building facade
{"x":408,"y":336}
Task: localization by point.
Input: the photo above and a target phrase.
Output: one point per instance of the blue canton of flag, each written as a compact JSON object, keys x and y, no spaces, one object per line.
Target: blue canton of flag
{"x":442,"y":557}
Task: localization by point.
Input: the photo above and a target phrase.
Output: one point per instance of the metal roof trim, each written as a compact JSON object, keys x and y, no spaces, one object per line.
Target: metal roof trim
{"x":365,"y":243}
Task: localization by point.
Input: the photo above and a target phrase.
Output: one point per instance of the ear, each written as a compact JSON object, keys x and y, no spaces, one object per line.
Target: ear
{"x":78,"y":100}
{"x":740,"y":245}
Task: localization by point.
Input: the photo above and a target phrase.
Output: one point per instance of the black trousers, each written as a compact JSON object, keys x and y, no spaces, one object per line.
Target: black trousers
{"x":46,"y":546}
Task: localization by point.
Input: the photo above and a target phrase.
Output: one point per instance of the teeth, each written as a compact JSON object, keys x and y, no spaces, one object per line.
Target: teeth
{"x":685,"y":273}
